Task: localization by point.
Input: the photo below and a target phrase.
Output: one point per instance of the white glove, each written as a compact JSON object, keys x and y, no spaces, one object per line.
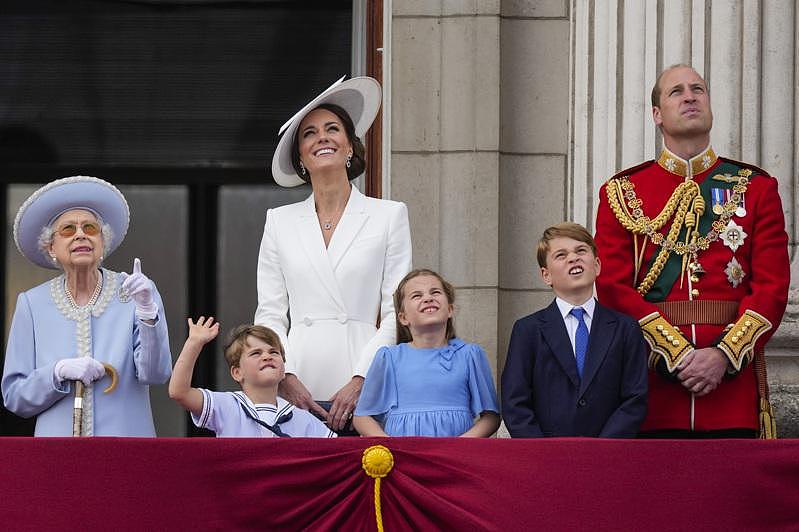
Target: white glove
{"x":140,"y":288}
{"x":84,"y":369}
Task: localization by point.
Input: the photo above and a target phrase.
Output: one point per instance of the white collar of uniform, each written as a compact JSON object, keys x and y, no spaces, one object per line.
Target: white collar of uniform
{"x":565,"y":307}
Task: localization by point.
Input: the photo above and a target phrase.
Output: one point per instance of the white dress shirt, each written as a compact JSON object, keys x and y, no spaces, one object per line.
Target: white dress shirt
{"x":571,"y":321}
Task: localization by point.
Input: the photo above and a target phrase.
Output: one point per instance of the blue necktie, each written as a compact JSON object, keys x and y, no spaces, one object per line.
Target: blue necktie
{"x":580,"y":339}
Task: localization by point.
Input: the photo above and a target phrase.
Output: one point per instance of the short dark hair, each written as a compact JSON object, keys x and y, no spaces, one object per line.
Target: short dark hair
{"x":403,"y":332}
{"x":237,"y":342}
{"x":358,"y":161}
{"x":563,"y":230}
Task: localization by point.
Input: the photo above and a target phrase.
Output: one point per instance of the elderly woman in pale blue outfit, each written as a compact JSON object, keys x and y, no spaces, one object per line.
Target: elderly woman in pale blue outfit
{"x":75,"y":326}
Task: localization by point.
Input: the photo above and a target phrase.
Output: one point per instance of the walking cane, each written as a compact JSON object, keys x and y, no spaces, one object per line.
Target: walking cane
{"x":77,"y":412}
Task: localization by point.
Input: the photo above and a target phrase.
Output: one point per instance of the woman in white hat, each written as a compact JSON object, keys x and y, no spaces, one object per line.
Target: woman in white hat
{"x":328,"y":266}
{"x":88,"y":325}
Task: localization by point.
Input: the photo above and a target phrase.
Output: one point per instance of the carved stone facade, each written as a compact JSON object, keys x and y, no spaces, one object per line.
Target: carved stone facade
{"x":507,"y":116}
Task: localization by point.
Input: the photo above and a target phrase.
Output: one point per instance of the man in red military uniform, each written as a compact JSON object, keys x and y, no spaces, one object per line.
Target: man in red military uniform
{"x":694,"y":246}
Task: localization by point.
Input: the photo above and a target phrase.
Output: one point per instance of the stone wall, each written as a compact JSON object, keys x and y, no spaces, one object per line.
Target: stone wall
{"x":445,"y":148}
{"x":507,"y":116}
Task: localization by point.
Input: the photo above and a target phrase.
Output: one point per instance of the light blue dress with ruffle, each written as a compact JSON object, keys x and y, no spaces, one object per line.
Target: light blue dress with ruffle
{"x":428,"y":392}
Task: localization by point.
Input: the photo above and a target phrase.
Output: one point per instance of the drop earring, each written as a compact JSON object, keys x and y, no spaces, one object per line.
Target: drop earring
{"x":302,"y":168}
{"x":349,"y":159}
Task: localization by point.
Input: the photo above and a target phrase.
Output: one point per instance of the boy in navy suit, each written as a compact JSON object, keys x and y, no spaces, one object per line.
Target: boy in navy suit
{"x":575,"y":368}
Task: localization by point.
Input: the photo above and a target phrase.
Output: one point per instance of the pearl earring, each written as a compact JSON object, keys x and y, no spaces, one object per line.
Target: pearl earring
{"x":349,"y":158}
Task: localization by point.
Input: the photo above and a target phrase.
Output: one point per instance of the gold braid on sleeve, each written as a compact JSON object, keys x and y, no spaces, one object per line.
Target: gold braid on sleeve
{"x":665,"y":340}
{"x":739,"y":342}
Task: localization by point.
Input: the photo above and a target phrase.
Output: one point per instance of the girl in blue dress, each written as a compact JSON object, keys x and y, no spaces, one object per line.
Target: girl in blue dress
{"x":432,"y":383}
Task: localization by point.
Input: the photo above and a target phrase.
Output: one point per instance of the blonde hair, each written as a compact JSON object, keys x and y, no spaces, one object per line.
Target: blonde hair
{"x":403,"y":332}
{"x":563,"y":230}
{"x":237,"y":342}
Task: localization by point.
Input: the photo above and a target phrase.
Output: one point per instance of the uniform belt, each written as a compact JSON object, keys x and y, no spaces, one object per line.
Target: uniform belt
{"x":708,"y":312}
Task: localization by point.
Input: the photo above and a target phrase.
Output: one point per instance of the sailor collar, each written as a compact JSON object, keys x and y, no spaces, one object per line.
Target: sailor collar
{"x":687,"y":169}
{"x":274,"y":412}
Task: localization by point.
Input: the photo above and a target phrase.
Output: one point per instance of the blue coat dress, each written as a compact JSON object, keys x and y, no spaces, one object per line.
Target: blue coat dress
{"x":428,"y":392}
{"x":46,"y":328}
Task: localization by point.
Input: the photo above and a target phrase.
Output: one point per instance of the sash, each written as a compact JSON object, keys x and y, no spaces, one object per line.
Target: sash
{"x":671,"y":271}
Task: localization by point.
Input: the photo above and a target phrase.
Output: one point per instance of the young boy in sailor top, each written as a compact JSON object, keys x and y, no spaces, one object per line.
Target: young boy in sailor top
{"x":256,"y":359}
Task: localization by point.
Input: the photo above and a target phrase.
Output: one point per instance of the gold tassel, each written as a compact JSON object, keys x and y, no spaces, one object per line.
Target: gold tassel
{"x":768,"y":426}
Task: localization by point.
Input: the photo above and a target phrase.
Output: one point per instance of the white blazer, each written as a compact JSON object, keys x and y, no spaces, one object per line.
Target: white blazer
{"x":324,"y":303}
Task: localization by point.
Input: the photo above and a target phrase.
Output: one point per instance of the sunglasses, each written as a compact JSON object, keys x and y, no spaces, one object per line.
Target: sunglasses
{"x":88,"y":228}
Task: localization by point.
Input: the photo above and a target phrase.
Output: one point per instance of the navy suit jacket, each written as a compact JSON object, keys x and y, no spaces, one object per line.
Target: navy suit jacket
{"x":542,"y":395}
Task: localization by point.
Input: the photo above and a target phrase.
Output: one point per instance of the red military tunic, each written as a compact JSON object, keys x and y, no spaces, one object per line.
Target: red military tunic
{"x":722,"y":281}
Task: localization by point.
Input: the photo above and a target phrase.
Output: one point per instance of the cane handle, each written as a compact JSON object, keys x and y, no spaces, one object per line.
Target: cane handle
{"x":111,"y":372}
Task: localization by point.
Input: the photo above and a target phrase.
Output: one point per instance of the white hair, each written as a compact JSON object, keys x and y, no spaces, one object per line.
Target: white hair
{"x":48,"y":232}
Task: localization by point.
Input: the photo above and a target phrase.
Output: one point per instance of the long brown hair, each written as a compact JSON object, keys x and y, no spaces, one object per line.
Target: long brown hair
{"x":403,"y":332}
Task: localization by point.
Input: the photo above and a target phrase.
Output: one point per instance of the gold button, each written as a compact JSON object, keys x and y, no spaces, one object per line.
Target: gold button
{"x":748,"y":323}
{"x":744,"y":329}
{"x":659,"y":327}
{"x":694,"y":292}
{"x":734,"y":339}
{"x":694,"y":279}
{"x":670,"y":338}
{"x":675,"y":343}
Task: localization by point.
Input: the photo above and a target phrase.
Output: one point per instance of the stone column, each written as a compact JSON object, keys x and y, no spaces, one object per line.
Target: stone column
{"x":534,"y":143}
{"x":747,"y":51}
{"x":444,"y":148}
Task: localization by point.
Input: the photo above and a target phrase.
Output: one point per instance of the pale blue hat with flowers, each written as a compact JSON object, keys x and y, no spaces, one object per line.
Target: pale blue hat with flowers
{"x":49,"y":202}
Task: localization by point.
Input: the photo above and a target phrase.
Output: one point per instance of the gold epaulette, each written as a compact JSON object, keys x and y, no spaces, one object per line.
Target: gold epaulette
{"x":665,"y":340}
{"x":739,"y":342}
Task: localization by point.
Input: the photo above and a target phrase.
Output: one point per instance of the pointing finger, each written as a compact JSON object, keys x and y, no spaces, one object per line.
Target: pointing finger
{"x":136,"y":265}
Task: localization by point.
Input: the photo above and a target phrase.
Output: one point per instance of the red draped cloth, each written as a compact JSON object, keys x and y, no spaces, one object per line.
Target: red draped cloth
{"x":436,"y":484}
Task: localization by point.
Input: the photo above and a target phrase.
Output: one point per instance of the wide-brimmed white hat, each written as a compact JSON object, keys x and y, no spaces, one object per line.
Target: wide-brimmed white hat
{"x":57,"y":197}
{"x":360,"y":97}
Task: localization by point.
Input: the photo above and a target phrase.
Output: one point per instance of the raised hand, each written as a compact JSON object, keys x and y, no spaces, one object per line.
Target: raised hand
{"x":85,"y":369}
{"x":204,"y":330}
{"x":140,"y":288}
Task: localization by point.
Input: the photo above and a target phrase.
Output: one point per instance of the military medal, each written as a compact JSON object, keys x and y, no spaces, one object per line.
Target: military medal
{"x":735,"y":273}
{"x":733,"y":235}
{"x":717,"y":197}
{"x":740,"y":212}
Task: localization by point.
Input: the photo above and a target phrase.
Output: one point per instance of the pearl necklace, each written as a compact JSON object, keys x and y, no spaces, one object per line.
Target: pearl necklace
{"x":92,"y":300}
